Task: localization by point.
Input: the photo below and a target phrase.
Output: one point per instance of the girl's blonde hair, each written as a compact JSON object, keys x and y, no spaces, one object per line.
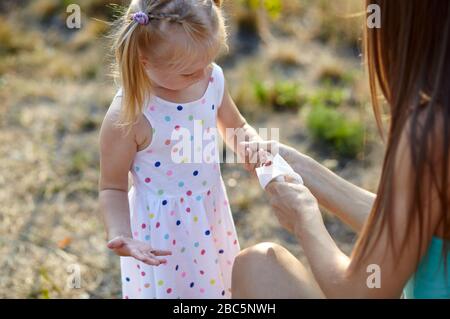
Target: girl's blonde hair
{"x":201,"y":21}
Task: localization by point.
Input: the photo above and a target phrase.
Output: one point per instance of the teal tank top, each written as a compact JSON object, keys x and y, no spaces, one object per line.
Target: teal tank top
{"x":430,"y":280}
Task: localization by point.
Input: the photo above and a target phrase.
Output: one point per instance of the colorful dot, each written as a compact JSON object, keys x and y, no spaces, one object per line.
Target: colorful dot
{"x":191,"y":118}
{"x":177,"y":127}
{"x":158,"y":224}
{"x":223,"y":292}
{"x":160,"y":282}
{"x":180,"y":184}
{"x":148,"y":180}
{"x":202,"y":290}
{"x":143,"y":273}
{"x":204,"y":183}
{"x":195,"y":173}
{"x":177,"y":267}
{"x":147,"y":286}
{"x":174,"y":242}
{"x":164,"y":202}
{"x":207,"y":233}
{"x":183,"y":274}
{"x":167,"y":119}
{"x":202,"y":272}
{"x":167,"y":142}
{"x":199,"y":198}
{"x":195,"y":219}
{"x":183,"y":249}
{"x":144,"y":226}
{"x":166,"y":236}
{"x":212,"y":282}
{"x":151,"y":216}
{"x":188,"y":210}
{"x":178,"y":222}
{"x":160,"y":192}
{"x":169,"y":173}
{"x":221,"y":251}
{"x":127,"y":279}
{"x":180,"y":108}
{"x":189,"y":193}
{"x":147,"y":237}
{"x":169,"y":290}
{"x":196,"y":244}
{"x":213,"y":107}
{"x":191,"y":285}
{"x":157,"y":164}
{"x":203,"y":252}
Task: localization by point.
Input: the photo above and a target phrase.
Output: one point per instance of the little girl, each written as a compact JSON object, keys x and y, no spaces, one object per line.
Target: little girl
{"x":173,"y":230}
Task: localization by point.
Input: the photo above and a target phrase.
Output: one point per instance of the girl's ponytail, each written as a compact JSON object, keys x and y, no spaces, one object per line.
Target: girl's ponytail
{"x":134,"y":80}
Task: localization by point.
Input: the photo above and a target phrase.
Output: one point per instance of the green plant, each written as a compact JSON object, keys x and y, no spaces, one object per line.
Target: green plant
{"x":262,"y":92}
{"x":272,"y":7}
{"x":329,"y":96}
{"x":284,"y":95}
{"x":344,"y":135}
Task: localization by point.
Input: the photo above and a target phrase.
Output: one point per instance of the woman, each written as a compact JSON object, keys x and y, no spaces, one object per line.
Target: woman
{"x":404,"y":229}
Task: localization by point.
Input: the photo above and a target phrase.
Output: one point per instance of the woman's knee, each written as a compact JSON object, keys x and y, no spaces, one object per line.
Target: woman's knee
{"x":253,"y":262}
{"x":257,"y":256}
{"x":260,"y":268}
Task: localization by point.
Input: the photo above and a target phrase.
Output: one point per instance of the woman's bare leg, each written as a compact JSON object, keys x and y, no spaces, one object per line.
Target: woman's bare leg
{"x":269,"y":271}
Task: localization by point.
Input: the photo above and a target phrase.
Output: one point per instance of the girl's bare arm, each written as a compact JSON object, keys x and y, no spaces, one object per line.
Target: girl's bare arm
{"x":117,"y":152}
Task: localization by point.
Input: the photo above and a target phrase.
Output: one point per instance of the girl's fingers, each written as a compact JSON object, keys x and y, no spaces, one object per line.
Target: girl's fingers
{"x":161,"y":252}
{"x":146,"y":259}
{"x":116,"y":243}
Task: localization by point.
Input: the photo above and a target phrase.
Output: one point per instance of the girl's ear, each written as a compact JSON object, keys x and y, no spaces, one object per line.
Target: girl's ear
{"x":144,"y":61}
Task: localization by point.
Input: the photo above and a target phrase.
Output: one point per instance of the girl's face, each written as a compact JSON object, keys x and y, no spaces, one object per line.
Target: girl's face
{"x":169,"y":79}
{"x":194,"y":64}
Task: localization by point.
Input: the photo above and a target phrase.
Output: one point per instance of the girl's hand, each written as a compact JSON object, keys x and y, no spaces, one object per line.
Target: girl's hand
{"x":129,"y":247}
{"x":251,"y":152}
{"x":293,"y":204}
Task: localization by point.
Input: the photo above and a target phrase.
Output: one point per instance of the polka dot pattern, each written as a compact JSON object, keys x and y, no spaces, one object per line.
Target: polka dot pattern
{"x":178,"y":203}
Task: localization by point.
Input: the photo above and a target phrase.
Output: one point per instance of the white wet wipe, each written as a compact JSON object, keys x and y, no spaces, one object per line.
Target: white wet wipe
{"x":276,"y":171}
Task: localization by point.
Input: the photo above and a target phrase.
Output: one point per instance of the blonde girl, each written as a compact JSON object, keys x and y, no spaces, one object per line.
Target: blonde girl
{"x":173,"y":229}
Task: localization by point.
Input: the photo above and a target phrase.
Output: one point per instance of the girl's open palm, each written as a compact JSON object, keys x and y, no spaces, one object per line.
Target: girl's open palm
{"x":129,"y":247}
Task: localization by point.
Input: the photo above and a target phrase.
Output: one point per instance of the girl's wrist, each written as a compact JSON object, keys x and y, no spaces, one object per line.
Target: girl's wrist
{"x":116,"y":234}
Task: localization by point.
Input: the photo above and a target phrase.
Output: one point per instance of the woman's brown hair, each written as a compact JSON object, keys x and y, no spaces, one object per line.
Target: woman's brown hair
{"x":408,"y":60}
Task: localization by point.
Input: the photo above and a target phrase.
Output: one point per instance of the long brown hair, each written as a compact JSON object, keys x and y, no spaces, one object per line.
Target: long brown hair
{"x":201,"y":21}
{"x":408,"y":60}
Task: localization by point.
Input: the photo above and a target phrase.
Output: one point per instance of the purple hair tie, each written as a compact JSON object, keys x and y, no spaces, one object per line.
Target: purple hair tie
{"x":140,"y":17}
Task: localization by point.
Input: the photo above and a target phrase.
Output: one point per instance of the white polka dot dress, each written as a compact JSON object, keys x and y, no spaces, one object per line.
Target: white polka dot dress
{"x":178,"y":202}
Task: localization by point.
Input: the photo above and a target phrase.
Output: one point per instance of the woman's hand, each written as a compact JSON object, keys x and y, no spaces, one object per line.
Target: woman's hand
{"x":129,"y":247}
{"x":293,"y":204}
